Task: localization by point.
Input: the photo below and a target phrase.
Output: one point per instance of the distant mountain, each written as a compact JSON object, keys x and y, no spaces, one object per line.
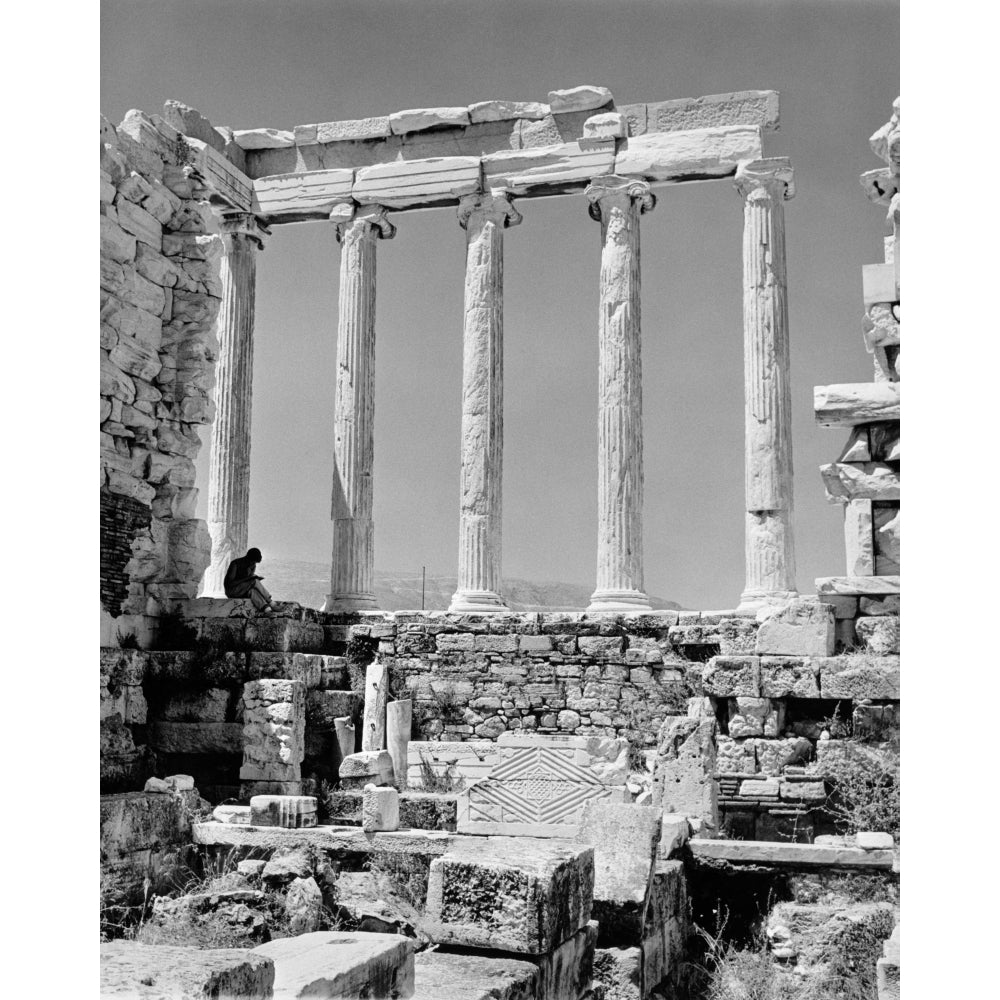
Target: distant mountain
{"x":308,"y":584}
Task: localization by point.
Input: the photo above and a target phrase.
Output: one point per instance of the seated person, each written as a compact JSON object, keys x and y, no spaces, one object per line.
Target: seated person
{"x":242,"y":581}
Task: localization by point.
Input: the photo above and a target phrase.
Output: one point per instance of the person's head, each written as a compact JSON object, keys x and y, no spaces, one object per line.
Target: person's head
{"x":254,"y":555}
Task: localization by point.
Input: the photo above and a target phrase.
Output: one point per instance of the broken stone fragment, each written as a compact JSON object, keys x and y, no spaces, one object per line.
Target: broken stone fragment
{"x":263,"y":138}
{"x":420,"y":119}
{"x":496,"y":111}
{"x":584,"y":98}
{"x":287,"y":811}
{"x":367,"y":767}
{"x":610,"y":125}
{"x":157,"y":786}
{"x":869,"y":841}
{"x":303,"y":906}
{"x":662,"y":156}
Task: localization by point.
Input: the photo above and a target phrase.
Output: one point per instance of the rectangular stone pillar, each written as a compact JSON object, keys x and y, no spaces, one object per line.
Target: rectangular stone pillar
{"x":617,"y":203}
{"x":352,"y":571}
{"x":229,"y":468}
{"x":770,"y":550}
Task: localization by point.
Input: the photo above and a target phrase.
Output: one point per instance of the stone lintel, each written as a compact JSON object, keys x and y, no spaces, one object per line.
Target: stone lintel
{"x":225,"y":182}
{"x":439,"y":180}
{"x":299,"y":197}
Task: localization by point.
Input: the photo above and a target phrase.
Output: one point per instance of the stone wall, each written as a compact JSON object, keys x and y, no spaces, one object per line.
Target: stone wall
{"x":160,"y":294}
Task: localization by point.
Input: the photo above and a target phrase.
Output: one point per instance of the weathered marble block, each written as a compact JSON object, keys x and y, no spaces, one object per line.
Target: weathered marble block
{"x":801,"y":628}
{"x":338,"y":964}
{"x":859,"y":676}
{"x":367,"y":767}
{"x":510,"y":894}
{"x":729,"y":676}
{"x":380,"y":809}
{"x":541,"y":783}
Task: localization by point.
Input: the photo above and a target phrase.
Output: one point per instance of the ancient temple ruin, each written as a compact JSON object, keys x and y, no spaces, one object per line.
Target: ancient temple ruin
{"x":555,"y":801}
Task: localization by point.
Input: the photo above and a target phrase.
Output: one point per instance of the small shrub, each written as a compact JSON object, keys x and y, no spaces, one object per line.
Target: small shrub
{"x":432,"y":781}
{"x":865,"y":785}
{"x":361,"y":651}
{"x":128,"y":641}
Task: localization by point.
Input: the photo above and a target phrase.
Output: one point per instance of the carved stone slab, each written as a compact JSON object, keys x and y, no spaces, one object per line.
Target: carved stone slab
{"x":226,"y":183}
{"x":301,"y":196}
{"x":541,"y":784}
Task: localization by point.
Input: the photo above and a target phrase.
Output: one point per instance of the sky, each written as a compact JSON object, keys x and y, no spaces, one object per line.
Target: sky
{"x":251,"y":64}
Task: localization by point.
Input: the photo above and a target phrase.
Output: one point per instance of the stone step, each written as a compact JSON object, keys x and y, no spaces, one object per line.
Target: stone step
{"x":336,"y":964}
{"x":167,"y":971}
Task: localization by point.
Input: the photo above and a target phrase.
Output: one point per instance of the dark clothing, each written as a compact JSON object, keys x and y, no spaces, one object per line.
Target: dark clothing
{"x":240,"y":578}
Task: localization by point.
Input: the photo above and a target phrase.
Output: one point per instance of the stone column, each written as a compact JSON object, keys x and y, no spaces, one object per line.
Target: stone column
{"x":770,"y":552}
{"x":352,"y":571}
{"x":229,"y":468}
{"x":484,"y":218}
{"x":617,"y":204}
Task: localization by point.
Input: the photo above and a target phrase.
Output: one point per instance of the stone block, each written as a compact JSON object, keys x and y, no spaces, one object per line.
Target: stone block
{"x":773,"y":755}
{"x":812,"y":792}
{"x":800,"y":628}
{"x":557,"y":167}
{"x":380,"y":809}
{"x":137,"y":821}
{"x":755,"y":717}
{"x":338,"y":964}
{"x":674,"y":833}
{"x":735,"y":756}
{"x":625,"y":839}
{"x":880,"y":634}
{"x":876,"y":722}
{"x":684,"y":769}
{"x":788,"y":677}
{"x":755,"y":108}
{"x":511,"y":894}
{"x":540,"y":784}
{"x":870,"y":841}
{"x":196,"y":737}
{"x":664,"y":156}
{"x":367,"y":767}
{"x":875,"y":606}
{"x":609,"y":125}
{"x":877,"y":587}
{"x":421,"y":119}
{"x":495,"y":111}
{"x":263,"y":138}
{"x":846,"y":481}
{"x":310,"y":194}
{"x":417,"y":183}
{"x":130,"y":969}
{"x":444,"y":975}
{"x":851,"y":404}
{"x":766,"y":852}
{"x":567,"y":970}
{"x":288,"y":811}
{"x":583,"y":98}
{"x":859,"y":676}
{"x":731,"y":676}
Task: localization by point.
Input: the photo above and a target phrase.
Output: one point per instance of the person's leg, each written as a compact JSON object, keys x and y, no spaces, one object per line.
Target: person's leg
{"x":258,"y":600}
{"x":262,"y":590}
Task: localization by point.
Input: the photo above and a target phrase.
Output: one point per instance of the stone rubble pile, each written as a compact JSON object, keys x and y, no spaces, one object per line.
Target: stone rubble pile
{"x":865,"y":478}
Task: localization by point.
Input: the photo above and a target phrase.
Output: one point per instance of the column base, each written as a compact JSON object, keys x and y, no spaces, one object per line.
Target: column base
{"x":619,"y":600}
{"x":754,"y":600}
{"x":475,"y":602}
{"x":335,"y":604}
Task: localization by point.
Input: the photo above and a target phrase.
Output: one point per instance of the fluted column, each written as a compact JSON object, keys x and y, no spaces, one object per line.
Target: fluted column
{"x":484,"y":218}
{"x":617,"y":203}
{"x":353,"y":566}
{"x":229,"y":468}
{"x":770,"y":551}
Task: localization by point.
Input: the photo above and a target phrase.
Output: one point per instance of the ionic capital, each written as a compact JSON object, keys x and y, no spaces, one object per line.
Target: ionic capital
{"x":769,"y":177}
{"x":495,"y":206}
{"x":245,"y":224}
{"x":612,"y":188}
{"x":369,"y":219}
